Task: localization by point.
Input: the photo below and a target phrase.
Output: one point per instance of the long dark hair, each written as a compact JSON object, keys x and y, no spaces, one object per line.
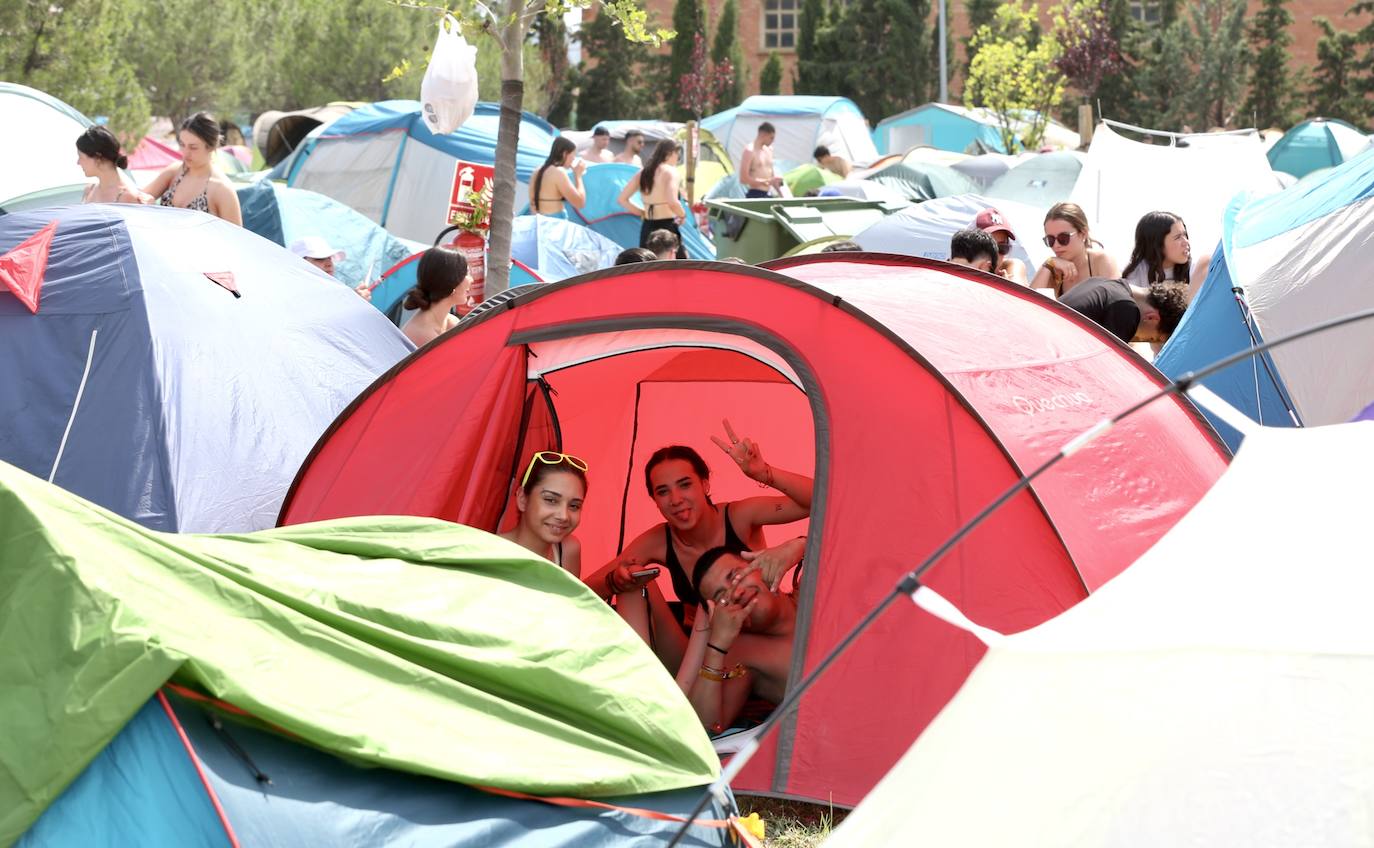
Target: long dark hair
{"x":204,"y":126}
{"x":561,"y":147}
{"x":661,"y":153}
{"x":1150,"y":234}
{"x":441,"y":270}
{"x":682,"y":452}
{"x":100,"y":143}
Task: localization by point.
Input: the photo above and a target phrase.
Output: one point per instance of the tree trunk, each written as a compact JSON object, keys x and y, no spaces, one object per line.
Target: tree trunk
{"x":507,"y":139}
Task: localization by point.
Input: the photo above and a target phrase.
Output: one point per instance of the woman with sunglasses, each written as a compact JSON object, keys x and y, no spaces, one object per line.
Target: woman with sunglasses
{"x":679,"y":481}
{"x":550,"y":504}
{"x":1075,"y":257}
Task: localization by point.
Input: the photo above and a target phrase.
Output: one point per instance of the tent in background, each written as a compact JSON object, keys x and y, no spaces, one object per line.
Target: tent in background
{"x":1041,"y":180}
{"x":925,"y":229}
{"x":604,"y":215}
{"x":150,"y":157}
{"x":807,"y":359}
{"x":1122,"y":180}
{"x":1191,"y":701}
{"x":941,"y":125}
{"x":805,"y":179}
{"x":985,"y":168}
{"x":342,"y":684}
{"x":38,"y":147}
{"x":1299,"y":257}
{"x":713,"y":162}
{"x":802,"y":122}
{"x":1314,"y":144}
{"x":282,"y":214}
{"x":921,"y":181}
{"x":381,"y":153}
{"x":555,"y":249}
{"x":277,"y":134}
{"x":211,"y":357}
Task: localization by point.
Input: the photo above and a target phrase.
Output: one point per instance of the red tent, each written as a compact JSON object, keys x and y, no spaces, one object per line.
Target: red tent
{"x":915,"y":392}
{"x":151,"y":155}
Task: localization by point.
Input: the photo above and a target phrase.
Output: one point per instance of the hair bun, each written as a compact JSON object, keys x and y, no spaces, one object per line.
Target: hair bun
{"x":121,"y":161}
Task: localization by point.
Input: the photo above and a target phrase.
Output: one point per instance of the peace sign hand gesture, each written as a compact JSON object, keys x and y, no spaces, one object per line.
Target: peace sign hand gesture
{"x":745,"y":452}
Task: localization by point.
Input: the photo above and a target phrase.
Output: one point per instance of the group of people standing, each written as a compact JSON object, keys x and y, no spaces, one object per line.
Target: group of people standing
{"x":195,"y":182}
{"x":1143,"y":303}
{"x":730,"y":640}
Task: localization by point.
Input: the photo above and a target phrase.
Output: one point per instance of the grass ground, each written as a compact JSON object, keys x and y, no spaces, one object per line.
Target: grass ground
{"x":792,"y":824}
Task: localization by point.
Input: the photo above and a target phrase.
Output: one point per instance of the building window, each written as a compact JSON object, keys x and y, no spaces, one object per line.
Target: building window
{"x":780,"y":24}
{"x":1145,"y":11}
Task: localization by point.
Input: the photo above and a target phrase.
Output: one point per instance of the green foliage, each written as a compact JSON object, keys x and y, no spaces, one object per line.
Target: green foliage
{"x":1117,"y":93}
{"x":770,"y":77}
{"x":808,"y":76}
{"x":1015,"y":76}
{"x":726,"y":48}
{"x":65,"y":50}
{"x":1164,"y":73}
{"x":1272,"y":92}
{"x":981,"y":13}
{"x":1218,"y":83}
{"x":489,"y":75}
{"x":687,"y":24}
{"x":875,"y":52}
{"x":614,"y":87}
{"x":551,"y":35}
{"x":1333,"y":92}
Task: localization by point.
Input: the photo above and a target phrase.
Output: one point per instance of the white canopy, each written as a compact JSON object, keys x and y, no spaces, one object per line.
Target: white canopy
{"x":1218,"y":692}
{"x":1122,"y":180}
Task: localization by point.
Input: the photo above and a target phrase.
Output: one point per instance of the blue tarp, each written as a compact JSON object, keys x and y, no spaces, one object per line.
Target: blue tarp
{"x":1215,"y":326}
{"x":935,"y":125}
{"x":283,"y":214}
{"x":142,"y":789}
{"x":147,"y":387}
{"x":607,"y":217}
{"x":474,"y":141}
{"x":556,"y":249}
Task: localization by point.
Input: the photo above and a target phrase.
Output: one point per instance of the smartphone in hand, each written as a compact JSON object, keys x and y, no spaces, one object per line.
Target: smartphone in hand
{"x":648,"y":572}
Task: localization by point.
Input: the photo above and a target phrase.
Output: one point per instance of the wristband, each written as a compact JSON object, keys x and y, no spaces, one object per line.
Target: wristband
{"x":723,"y":651}
{"x":720,"y":674}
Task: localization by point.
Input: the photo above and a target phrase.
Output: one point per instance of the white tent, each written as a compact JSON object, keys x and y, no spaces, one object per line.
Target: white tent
{"x":1217,"y":692}
{"x":925,"y":229}
{"x":38,"y":147}
{"x":1122,"y":180}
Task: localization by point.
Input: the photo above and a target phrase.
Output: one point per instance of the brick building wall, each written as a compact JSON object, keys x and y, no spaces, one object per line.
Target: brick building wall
{"x":754,"y":36}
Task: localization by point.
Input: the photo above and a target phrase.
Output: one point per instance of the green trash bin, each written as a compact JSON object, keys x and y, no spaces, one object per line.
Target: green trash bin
{"x":763,"y":228}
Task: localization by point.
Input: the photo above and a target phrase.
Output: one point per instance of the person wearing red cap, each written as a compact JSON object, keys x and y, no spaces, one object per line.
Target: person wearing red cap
{"x":991,"y":222}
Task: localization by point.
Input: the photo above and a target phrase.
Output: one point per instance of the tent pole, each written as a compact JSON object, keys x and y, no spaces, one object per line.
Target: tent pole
{"x":944,"y":63}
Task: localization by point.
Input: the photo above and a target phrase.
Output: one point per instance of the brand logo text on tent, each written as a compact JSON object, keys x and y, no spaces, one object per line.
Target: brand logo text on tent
{"x":1031,"y":406}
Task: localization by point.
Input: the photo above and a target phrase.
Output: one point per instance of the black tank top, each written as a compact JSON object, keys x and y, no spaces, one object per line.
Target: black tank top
{"x":682,"y":581}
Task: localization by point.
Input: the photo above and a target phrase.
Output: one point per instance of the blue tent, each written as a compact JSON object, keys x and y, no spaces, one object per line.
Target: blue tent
{"x":940,"y":125}
{"x":282,"y":215}
{"x":802,"y":122}
{"x":607,"y":217}
{"x":178,"y":368}
{"x":147,"y":788}
{"x":1287,"y":261}
{"x":1318,"y":143}
{"x":382,"y":160}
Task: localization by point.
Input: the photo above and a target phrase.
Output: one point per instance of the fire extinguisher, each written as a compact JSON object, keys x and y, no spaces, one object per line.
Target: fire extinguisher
{"x":473,"y":246}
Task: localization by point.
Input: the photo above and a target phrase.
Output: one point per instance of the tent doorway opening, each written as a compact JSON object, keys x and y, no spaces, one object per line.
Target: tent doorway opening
{"x":612,"y":399}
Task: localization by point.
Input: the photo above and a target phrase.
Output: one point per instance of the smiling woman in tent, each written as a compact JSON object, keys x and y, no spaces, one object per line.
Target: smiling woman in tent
{"x":98,"y":154}
{"x":1075,"y":257}
{"x":196,"y":182}
{"x":679,"y":481}
{"x":549,"y":501}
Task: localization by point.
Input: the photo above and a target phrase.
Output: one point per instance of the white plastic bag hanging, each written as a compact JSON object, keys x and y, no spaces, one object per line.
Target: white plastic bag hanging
{"x":448,"y":92}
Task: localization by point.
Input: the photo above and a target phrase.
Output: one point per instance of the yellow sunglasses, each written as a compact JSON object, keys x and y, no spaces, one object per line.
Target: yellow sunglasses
{"x":552,"y":458}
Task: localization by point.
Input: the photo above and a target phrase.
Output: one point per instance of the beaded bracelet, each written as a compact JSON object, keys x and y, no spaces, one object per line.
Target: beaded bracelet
{"x":721,"y":674}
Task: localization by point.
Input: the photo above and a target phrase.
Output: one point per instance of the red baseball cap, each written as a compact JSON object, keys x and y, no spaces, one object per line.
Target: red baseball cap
{"x":991,"y":221}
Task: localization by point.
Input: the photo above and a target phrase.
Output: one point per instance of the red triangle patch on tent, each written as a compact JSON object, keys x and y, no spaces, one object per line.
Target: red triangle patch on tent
{"x":22,"y":269}
{"x":224,"y":279}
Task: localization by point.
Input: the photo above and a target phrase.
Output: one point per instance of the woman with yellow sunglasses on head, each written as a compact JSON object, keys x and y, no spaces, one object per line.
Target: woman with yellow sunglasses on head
{"x":550,"y":504}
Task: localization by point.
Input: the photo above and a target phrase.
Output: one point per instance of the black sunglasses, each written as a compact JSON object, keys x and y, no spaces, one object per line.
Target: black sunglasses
{"x":1062,"y":238}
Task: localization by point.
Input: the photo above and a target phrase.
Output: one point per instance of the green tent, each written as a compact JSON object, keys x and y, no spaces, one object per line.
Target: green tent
{"x":413,"y":644}
{"x":805,"y":178}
